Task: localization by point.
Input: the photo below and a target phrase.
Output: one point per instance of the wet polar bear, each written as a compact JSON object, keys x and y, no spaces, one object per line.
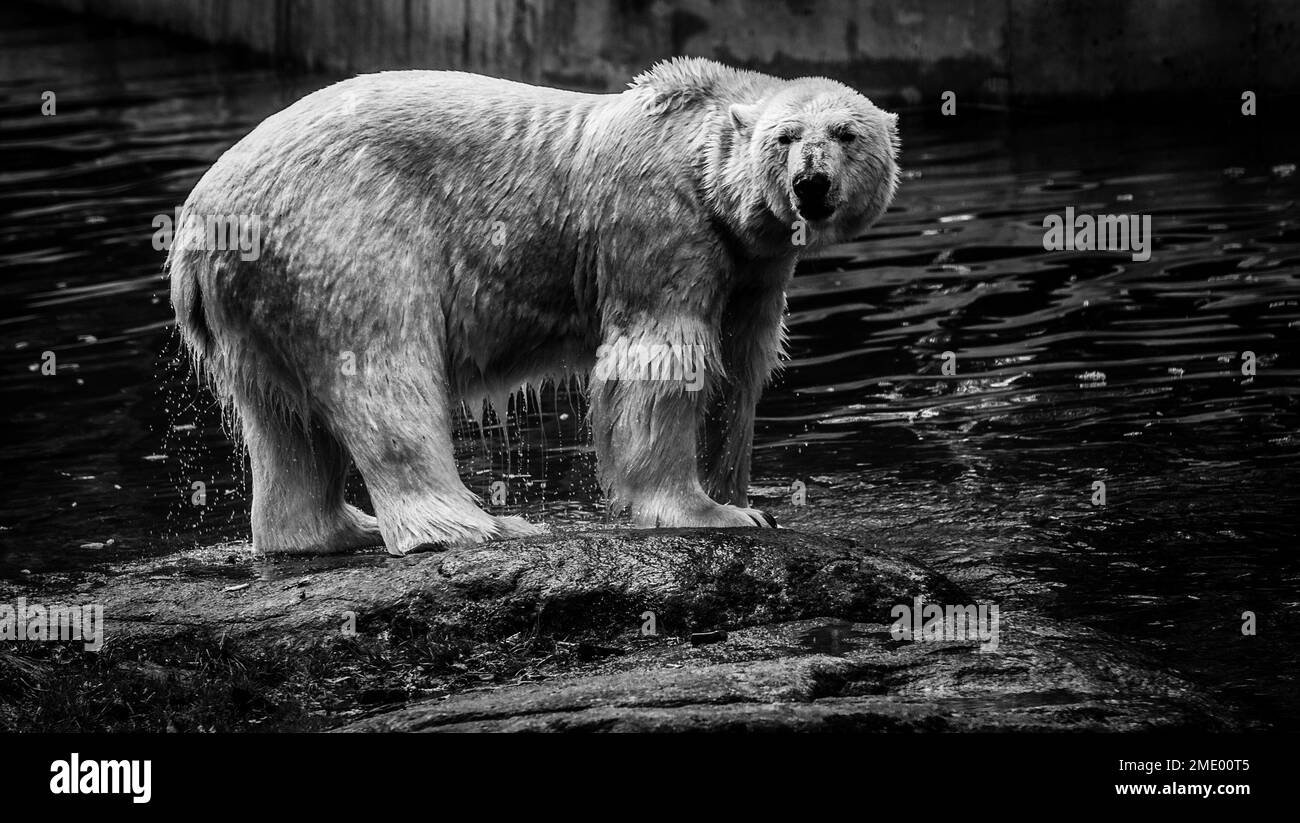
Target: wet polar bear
{"x":458,"y":236}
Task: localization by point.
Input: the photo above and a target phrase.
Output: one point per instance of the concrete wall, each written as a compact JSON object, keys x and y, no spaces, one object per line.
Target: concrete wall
{"x":997,"y":50}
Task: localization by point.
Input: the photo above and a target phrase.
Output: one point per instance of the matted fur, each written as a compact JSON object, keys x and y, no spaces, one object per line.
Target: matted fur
{"x":461,"y":235}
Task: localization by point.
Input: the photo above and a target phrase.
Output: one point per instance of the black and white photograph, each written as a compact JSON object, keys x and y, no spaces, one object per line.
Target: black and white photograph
{"x":913,"y":370}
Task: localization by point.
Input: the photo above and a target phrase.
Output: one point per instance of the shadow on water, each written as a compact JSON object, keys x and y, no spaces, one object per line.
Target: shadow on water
{"x":1072,"y":368}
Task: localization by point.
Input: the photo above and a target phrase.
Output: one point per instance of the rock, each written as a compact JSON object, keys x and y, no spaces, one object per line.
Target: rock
{"x":615,"y":630}
{"x":596,"y":583}
{"x":1044,"y":676}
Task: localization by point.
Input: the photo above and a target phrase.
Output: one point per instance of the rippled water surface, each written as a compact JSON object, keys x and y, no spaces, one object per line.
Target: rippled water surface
{"x":1072,"y":368}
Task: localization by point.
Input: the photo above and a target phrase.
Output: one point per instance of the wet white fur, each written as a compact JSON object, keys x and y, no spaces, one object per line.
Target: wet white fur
{"x":663,"y":214}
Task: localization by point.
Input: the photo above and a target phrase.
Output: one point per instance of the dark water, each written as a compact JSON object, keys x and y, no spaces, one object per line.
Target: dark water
{"x":1072,"y":367}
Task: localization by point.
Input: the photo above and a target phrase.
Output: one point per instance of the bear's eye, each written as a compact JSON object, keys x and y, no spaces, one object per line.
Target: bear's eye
{"x":785,"y":139}
{"x":845,"y":136}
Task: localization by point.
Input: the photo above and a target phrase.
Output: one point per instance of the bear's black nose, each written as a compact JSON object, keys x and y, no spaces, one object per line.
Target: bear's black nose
{"x":812,"y":191}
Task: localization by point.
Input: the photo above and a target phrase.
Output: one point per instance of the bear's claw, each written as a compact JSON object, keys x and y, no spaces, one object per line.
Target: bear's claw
{"x":711,"y":516}
{"x":509,"y":527}
{"x":503,"y":528}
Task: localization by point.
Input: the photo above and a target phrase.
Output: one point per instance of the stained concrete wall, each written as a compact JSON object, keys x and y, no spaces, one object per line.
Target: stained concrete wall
{"x":998,"y":50}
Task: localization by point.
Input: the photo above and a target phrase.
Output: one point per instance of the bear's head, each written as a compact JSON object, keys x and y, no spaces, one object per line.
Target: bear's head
{"x":822,"y":154}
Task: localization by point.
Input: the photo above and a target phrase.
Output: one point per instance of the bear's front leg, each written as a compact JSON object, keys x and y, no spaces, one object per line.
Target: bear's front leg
{"x":649,"y":390}
{"x":751,"y":346}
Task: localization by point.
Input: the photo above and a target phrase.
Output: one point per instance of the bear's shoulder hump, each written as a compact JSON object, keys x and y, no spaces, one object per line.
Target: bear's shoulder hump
{"x":682,"y":82}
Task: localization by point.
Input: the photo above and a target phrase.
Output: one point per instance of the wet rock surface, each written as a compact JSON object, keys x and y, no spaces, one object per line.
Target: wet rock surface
{"x":665,"y":630}
{"x":815,"y":675}
{"x":596,"y":582}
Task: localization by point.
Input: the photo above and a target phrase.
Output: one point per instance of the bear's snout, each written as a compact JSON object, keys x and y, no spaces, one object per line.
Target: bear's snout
{"x":812,"y":193}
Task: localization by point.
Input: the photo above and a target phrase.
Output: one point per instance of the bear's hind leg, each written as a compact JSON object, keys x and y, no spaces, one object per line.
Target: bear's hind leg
{"x":298,"y":484}
{"x":396,"y":417}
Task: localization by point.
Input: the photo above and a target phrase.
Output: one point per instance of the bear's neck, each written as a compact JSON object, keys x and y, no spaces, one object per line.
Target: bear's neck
{"x":733,"y":193}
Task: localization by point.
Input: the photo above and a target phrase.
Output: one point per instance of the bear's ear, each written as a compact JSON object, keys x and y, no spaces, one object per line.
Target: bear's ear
{"x":743,"y":117}
{"x":891,"y":130}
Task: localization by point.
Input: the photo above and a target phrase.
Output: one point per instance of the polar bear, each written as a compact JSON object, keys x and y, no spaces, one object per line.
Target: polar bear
{"x":430,"y":237}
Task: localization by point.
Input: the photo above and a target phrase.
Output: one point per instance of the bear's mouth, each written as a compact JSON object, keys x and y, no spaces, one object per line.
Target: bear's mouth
{"x":815,"y":212}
